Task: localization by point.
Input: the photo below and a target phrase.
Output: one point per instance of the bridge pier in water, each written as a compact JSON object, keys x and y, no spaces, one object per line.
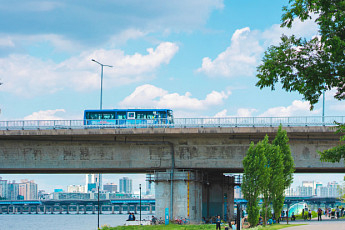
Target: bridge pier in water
{"x":194,"y":194}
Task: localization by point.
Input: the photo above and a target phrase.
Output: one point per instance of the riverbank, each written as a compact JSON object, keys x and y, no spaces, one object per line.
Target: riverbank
{"x":191,"y":227}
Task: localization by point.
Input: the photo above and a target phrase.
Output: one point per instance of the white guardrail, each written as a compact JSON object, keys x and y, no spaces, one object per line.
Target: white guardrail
{"x":178,"y":123}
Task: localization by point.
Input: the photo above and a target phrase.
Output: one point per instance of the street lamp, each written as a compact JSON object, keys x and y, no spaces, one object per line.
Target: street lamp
{"x":101,"y":77}
{"x":140,"y":201}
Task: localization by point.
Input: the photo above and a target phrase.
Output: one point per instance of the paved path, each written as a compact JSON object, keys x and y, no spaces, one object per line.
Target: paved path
{"x":325,"y":224}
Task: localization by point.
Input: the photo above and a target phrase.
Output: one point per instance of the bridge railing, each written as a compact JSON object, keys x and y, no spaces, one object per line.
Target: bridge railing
{"x":178,"y":123}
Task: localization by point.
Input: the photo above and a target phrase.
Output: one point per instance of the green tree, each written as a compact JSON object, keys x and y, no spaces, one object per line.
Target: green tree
{"x":336,"y":153}
{"x":309,"y":66}
{"x":269,"y":152}
{"x":284,"y":168}
{"x":254,"y":177}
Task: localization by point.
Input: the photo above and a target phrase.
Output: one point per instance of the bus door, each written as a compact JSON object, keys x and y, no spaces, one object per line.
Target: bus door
{"x":131,"y":118}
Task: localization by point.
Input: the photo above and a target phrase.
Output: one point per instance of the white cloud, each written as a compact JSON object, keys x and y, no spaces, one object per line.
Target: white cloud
{"x":239,"y":59}
{"x":45,"y":115}
{"x":241,"y":112}
{"x":29,"y":76}
{"x":298,"y":108}
{"x":244,"y":53}
{"x":152,"y":96}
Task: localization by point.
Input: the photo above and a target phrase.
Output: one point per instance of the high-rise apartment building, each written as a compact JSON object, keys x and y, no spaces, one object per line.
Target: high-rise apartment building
{"x":12,"y":190}
{"x":126,"y":185}
{"x":3,"y":188}
{"x":93,"y":181}
{"x":28,"y":190}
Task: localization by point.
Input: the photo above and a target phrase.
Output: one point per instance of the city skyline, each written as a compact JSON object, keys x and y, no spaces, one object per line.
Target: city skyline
{"x":79,"y":179}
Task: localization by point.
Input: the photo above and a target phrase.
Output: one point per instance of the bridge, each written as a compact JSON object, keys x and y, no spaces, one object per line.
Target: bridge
{"x":188,"y":159}
{"x":75,"y":206}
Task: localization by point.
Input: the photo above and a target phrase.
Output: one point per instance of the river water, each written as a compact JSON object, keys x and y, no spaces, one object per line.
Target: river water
{"x":63,"y":221}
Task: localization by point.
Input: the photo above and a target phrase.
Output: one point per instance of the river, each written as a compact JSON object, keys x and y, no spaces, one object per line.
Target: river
{"x":63,"y":221}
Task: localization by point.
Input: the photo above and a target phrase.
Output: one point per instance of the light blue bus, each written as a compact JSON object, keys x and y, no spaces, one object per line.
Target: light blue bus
{"x":126,"y":118}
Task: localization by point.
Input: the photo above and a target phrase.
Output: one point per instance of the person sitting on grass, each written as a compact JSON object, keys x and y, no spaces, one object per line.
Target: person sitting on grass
{"x":293,"y":217}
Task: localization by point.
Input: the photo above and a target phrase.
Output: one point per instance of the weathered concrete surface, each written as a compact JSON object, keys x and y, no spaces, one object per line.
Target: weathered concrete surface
{"x":142,"y":150}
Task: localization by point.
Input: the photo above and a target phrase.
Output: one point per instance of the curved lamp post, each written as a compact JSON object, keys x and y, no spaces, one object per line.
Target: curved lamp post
{"x":101,"y":77}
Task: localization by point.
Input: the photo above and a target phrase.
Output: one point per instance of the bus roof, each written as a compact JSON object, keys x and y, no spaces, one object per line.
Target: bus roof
{"x":121,"y":110}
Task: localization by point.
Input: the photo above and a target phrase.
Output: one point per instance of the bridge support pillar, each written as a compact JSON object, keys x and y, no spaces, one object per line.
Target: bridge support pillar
{"x":45,"y":209}
{"x":85,"y":209}
{"x":135,"y":209}
{"x":120,"y":209}
{"x":37,"y":209}
{"x":29,"y":209}
{"x":67,"y":209}
{"x":52,"y":209}
{"x":112,"y":209}
{"x":194,"y":194}
{"x":150,"y":209}
{"x":14,"y":209}
{"x":77,"y":208}
{"x":0,"y":209}
{"x":93,"y":209}
{"x":179,"y":191}
{"x":218,"y":196}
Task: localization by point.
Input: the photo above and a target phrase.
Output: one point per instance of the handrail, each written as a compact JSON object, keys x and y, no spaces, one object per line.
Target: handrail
{"x":178,"y":123}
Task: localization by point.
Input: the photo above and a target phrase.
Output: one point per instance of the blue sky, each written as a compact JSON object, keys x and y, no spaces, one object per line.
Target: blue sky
{"x":197,"y":57}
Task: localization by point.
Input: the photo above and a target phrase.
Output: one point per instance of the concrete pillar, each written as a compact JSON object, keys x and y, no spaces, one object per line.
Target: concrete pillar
{"x":0,"y":209}
{"x":93,"y":209}
{"x":112,"y":209}
{"x":60,"y":209}
{"x":52,"y":209}
{"x":21,"y":209}
{"x":67,"y":209}
{"x":150,"y":209}
{"x":8,"y":209}
{"x":13,"y":209}
{"x":77,"y":208}
{"x":182,"y":197}
{"x":85,"y":209}
{"x":29,"y":209}
{"x":128,"y":208}
{"x":100,"y":209}
{"x":45,"y":209}
{"x":37,"y":209}
{"x":135,"y":209}
{"x":230,"y":194}
{"x":120,"y":209}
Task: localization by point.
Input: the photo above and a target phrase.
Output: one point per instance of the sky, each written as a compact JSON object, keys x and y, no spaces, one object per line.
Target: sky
{"x":197,"y":57}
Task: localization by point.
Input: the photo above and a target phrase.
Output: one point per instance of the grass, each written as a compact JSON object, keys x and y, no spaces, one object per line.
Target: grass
{"x":191,"y":227}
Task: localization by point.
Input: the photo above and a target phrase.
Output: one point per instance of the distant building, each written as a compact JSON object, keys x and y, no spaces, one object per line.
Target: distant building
{"x":304,"y":191}
{"x":28,"y":189}
{"x":13,"y":191}
{"x":126,"y":185}
{"x":110,"y":187}
{"x":76,"y":188}
{"x":70,"y":196}
{"x":93,"y":181}
{"x":3,"y":188}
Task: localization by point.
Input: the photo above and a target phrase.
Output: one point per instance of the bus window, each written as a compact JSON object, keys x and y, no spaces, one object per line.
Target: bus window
{"x":121,"y":115}
{"x":108,"y":116}
{"x":131,"y":115}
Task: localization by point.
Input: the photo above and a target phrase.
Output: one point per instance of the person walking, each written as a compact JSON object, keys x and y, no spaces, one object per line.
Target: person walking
{"x":338,"y":212}
{"x":218,"y":221}
{"x":319,"y":213}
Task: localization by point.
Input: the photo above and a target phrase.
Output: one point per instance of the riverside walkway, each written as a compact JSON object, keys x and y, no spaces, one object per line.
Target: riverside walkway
{"x":326,"y":223}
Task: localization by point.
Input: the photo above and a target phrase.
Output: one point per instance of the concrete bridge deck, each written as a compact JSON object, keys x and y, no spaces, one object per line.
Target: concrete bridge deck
{"x":142,"y":150}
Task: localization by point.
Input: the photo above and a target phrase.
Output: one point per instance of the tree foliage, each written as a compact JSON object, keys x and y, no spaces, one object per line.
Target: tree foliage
{"x":255,"y":174}
{"x":336,"y":153}
{"x":268,"y":171}
{"x":309,"y":66}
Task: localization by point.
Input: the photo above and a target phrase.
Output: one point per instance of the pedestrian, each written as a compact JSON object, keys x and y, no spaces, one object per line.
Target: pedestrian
{"x":338,"y":212}
{"x":319,"y":213}
{"x":309,"y":214}
{"x":303,"y":214}
{"x":342,"y":212}
{"x":218,"y":221}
